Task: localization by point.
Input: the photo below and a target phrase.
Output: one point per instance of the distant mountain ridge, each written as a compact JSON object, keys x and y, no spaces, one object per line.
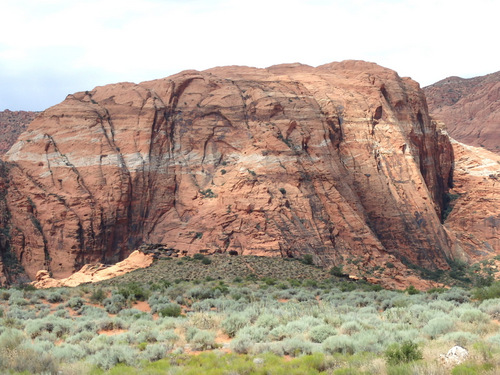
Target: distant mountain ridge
{"x":470,"y":108}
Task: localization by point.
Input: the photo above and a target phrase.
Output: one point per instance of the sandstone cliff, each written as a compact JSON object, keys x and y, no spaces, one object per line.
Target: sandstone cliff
{"x":474,"y":216}
{"x":341,"y":161}
{"x":470,"y":108}
{"x":12,"y":124}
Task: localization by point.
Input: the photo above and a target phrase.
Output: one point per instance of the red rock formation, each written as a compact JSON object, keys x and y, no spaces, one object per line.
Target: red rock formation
{"x":470,"y":108}
{"x":475,"y":201}
{"x":341,"y":161}
{"x":12,"y":124}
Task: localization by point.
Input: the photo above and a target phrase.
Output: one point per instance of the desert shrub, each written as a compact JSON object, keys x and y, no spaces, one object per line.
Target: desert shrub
{"x":296,"y":346}
{"x":43,"y":311}
{"x":170,"y":310}
{"x":97,"y":296}
{"x":57,"y":326}
{"x":205,"y":320}
{"x":206,"y":261}
{"x":156,"y":300}
{"x":168,"y":335}
{"x":320,"y":333}
{"x":113,"y":355}
{"x":233,"y":323}
{"x":242,"y":344}
{"x":460,"y":338}
{"x":4,"y":295}
{"x":279,"y":333}
{"x":404,"y":352}
{"x":155,"y":352}
{"x":304,"y":295}
{"x":16,"y":298}
{"x":62,"y":313}
{"x":203,"y":340}
{"x":15,"y":312}
{"x":107,"y":323}
{"x":190,"y":332}
{"x":369,"y":341}
{"x":257,"y":334}
{"x":168,"y":323}
{"x":487,"y":292}
{"x":442,"y":305}
{"x":338,"y":344}
{"x":55,"y":297}
{"x":11,"y":339}
{"x":267,"y":320}
{"x":491,"y":307}
{"x":351,"y":327}
{"x":134,"y":314}
{"x":495,"y":339}
{"x":267,"y":347}
{"x":75,"y":303}
{"x":115,"y":303}
{"x":81,"y":337}
{"x":200,"y":293}
{"x":474,"y":316}
{"x":204,"y":305}
{"x":438,"y":326}
{"x":455,"y":294}
{"x":26,"y":360}
{"x":133,"y":291}
{"x":68,"y":353}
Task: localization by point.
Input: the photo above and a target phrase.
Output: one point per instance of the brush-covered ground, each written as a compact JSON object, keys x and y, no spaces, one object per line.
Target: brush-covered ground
{"x":248,"y":315}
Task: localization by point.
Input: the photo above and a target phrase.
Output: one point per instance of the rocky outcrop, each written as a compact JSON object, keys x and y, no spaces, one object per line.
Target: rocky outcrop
{"x":12,"y":124}
{"x":92,"y":273}
{"x":470,"y":108}
{"x":341,"y":162}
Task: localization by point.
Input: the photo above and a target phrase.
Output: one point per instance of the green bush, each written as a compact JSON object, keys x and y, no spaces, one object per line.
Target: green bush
{"x":171,"y":310}
{"x":405,"y":352}
{"x":488,"y":292}
{"x":97,"y":296}
{"x":55,"y":297}
{"x":308,"y":259}
{"x":133,"y":291}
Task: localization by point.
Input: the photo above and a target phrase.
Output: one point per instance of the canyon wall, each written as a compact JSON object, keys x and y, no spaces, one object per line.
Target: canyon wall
{"x":341,"y":161}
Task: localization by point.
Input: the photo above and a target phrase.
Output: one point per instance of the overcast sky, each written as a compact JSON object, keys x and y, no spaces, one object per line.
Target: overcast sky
{"x":51,"y":48}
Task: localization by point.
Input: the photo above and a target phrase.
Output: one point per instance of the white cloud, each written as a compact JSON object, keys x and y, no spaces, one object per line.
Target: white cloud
{"x":139,"y":40}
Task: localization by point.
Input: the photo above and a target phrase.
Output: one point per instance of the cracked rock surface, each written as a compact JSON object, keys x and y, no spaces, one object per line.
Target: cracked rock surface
{"x":341,"y":162}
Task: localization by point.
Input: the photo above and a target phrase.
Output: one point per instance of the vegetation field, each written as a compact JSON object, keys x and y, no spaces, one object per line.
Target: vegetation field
{"x":245,"y":315}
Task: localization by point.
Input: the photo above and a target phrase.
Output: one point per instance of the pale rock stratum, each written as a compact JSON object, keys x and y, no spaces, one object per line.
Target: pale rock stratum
{"x":341,"y":161}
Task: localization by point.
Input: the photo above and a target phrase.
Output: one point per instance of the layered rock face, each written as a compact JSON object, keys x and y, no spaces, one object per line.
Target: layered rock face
{"x":341,"y":161}
{"x":475,"y":201}
{"x":470,"y":108}
{"x":12,"y":124}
